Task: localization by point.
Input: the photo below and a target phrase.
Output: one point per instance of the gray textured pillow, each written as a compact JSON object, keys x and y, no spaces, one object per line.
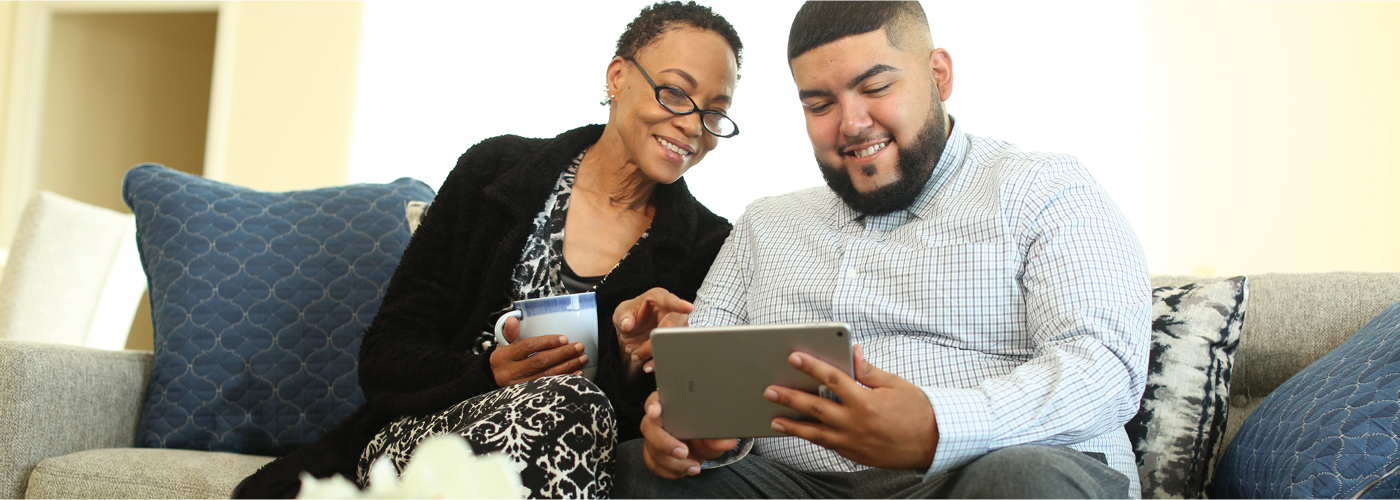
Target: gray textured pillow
{"x":1178,"y":431}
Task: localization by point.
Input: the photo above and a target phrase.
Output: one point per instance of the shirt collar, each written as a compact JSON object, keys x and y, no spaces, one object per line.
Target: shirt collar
{"x":954,"y":152}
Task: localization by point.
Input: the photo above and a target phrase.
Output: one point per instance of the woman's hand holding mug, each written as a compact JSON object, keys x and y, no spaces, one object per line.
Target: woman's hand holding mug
{"x":534,"y":339}
{"x":534,"y":357}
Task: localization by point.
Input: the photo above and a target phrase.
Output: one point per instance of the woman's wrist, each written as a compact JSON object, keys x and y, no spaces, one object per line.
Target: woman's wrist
{"x":632,"y":369}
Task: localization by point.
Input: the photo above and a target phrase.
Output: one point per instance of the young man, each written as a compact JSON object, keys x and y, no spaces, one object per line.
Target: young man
{"x":1002,"y":290}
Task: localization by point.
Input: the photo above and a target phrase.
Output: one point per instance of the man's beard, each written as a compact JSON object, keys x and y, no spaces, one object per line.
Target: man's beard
{"x":916,"y":163}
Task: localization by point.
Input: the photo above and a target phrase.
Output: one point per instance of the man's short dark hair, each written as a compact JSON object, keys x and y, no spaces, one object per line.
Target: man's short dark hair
{"x":657,"y":19}
{"x":820,"y":23}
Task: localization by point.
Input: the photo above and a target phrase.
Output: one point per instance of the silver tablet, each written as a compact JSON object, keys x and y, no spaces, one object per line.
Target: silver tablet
{"x":711,"y":379}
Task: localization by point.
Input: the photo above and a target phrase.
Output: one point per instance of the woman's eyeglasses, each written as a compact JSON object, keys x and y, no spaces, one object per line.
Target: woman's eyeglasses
{"x":676,"y":101}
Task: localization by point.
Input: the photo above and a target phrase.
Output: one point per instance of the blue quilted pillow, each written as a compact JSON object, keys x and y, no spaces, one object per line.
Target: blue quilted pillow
{"x":1331,"y":431}
{"x":259,"y":301}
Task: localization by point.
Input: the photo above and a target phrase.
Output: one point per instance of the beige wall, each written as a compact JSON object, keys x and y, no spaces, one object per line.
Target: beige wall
{"x":1270,"y":124}
{"x":292,"y":96}
{"x":7,"y":31}
{"x":283,"y":92}
{"x":123,"y":89}
{"x":283,"y":113}
{"x":1272,"y":134}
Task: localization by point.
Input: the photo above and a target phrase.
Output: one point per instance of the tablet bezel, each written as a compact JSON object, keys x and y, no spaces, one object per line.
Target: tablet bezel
{"x":711,"y":379}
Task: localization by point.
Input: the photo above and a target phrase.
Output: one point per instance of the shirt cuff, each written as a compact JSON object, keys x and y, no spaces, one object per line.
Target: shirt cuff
{"x":740,"y":451}
{"x":964,"y":424}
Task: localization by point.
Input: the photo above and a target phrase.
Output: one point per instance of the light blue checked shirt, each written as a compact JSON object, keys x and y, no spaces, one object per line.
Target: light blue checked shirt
{"x":1012,"y":291}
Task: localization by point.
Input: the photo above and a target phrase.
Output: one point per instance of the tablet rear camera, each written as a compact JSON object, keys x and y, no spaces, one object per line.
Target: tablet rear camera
{"x":840,"y":333}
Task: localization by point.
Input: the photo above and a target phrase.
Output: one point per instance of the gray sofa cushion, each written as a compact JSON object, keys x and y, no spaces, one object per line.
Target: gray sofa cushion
{"x":48,"y":391}
{"x":141,"y":473}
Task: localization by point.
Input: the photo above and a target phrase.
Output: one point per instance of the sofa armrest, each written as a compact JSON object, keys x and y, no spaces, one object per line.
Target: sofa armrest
{"x":59,"y":399}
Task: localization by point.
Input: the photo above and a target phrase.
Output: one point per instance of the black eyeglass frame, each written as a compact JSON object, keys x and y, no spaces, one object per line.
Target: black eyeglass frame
{"x":694,"y":108}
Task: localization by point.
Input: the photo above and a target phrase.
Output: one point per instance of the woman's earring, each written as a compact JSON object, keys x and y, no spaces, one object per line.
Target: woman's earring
{"x":610,"y":98}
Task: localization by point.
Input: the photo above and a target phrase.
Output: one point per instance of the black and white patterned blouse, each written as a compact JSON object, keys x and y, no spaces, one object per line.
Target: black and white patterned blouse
{"x":542,"y":270}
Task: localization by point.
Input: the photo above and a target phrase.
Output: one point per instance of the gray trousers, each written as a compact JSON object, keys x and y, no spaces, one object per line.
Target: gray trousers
{"x":1027,"y":471}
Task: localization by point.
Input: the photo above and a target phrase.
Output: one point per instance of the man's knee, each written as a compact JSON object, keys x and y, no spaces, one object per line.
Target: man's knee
{"x":1036,"y":459}
{"x":629,"y":459}
{"x":1037,"y":471}
{"x":633,"y":479}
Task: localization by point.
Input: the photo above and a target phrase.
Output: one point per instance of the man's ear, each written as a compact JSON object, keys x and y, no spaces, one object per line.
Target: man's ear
{"x":940,"y":68}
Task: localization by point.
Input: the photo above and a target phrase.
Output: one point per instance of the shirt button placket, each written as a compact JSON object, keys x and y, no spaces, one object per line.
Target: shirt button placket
{"x":846,"y":301}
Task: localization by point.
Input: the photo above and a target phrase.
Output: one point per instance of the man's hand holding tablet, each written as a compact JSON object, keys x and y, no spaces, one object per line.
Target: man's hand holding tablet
{"x":712,"y":380}
{"x":889,"y":423}
{"x":881,"y":419}
{"x":634,"y":320}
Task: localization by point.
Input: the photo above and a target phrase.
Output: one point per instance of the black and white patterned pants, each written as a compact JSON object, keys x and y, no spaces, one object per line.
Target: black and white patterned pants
{"x":560,"y":431}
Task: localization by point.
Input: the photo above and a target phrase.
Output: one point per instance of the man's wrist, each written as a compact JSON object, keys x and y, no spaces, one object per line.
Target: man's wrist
{"x":741,"y":450}
{"x":963,"y":421}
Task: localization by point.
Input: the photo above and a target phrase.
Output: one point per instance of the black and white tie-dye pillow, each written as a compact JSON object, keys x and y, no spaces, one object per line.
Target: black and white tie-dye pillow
{"x":1178,"y":431}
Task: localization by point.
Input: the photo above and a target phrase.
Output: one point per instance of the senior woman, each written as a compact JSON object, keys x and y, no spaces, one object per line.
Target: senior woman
{"x":598,"y":208}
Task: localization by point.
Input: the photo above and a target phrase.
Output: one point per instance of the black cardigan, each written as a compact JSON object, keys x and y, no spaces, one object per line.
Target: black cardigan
{"x":416,"y":357}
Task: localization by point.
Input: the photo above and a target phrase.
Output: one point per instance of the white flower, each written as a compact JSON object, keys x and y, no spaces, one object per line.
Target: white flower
{"x":442,"y":466}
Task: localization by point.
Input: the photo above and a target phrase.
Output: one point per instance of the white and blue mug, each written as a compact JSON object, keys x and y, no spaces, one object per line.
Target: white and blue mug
{"x":574,"y":316}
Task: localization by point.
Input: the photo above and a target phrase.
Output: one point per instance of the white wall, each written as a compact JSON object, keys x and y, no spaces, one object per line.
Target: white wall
{"x":437,"y":77}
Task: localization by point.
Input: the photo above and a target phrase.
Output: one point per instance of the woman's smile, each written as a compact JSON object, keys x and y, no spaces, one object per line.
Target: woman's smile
{"x":674,"y":150}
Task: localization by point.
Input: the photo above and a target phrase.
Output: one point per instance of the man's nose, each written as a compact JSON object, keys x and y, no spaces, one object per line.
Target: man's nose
{"x":855,"y":119}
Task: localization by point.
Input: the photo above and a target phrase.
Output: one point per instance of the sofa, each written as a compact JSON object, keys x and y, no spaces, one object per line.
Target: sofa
{"x":259,"y":301}
{"x":68,"y":414}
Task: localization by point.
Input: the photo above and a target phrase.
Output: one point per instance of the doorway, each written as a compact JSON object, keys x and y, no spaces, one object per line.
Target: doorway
{"x":124,"y":89}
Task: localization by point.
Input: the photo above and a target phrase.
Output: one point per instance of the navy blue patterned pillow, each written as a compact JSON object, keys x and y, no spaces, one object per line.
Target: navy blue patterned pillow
{"x":259,"y":301}
{"x":1331,"y":431}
